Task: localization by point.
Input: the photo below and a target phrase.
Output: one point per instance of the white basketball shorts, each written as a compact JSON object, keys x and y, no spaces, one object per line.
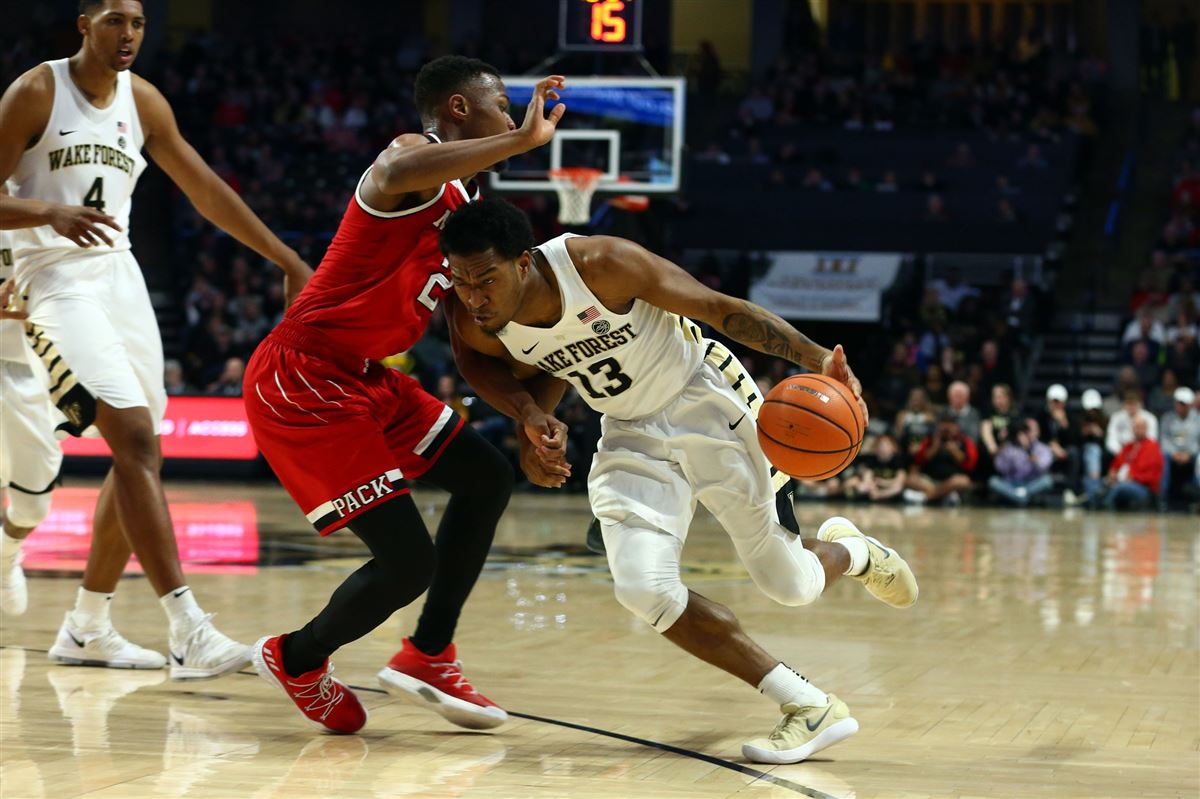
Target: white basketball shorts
{"x":29,"y":453}
{"x":93,"y":327}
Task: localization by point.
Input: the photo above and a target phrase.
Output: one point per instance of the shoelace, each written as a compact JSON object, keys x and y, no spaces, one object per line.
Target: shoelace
{"x":110,"y":641}
{"x":199,"y":631}
{"x":453,"y":671}
{"x":777,"y":733}
{"x":322,"y":693}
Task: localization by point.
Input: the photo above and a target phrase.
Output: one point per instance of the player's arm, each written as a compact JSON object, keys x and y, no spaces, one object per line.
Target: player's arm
{"x":517,"y":390}
{"x":24,"y":112}
{"x":212,"y":196}
{"x":411,"y":165}
{"x":646,"y":276}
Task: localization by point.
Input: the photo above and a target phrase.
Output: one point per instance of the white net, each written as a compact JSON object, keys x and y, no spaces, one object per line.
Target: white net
{"x":575,"y":188}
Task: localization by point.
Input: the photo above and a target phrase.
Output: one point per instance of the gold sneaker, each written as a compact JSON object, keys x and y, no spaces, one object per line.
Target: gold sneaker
{"x":803,"y":732}
{"x":888,"y":577}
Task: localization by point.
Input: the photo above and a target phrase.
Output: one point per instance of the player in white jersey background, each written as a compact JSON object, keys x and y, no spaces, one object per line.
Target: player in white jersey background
{"x":71,"y":134}
{"x":613,"y":319}
{"x":29,"y":453}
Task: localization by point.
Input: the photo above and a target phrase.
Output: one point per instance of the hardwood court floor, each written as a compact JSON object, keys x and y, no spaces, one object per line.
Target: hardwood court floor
{"x":1050,"y":654}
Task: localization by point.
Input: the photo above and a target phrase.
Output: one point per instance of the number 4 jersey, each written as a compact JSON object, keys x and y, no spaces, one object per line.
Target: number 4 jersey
{"x":623,"y":365}
{"x":85,"y":156}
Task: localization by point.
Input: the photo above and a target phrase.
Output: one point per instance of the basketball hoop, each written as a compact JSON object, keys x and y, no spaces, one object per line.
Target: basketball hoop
{"x":575,"y":186}
{"x":633,"y":203}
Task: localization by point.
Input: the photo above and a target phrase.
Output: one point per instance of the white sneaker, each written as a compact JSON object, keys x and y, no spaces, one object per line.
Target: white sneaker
{"x":802,"y":733}
{"x":14,"y":597}
{"x":106,"y":648}
{"x":206,"y":652}
{"x":913,"y":496}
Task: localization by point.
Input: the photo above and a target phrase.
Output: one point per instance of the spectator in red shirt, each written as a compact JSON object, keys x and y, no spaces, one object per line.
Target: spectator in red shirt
{"x":942,"y":465}
{"x":1135,"y":474}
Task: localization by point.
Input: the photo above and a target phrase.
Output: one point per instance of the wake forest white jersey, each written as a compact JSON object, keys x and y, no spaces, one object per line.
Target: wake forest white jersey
{"x":623,"y":365}
{"x":12,"y":331}
{"x":86,"y":156}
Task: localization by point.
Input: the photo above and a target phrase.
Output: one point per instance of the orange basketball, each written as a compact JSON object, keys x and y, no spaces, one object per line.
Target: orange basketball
{"x":811,"y":427}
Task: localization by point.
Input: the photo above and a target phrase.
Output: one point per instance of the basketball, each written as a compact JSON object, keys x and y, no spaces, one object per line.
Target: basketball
{"x":811,"y":427}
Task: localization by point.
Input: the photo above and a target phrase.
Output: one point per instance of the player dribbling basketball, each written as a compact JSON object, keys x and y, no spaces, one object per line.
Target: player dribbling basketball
{"x":612,"y":319}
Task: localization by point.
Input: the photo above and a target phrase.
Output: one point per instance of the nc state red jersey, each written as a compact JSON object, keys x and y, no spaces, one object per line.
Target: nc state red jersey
{"x":381,"y":278}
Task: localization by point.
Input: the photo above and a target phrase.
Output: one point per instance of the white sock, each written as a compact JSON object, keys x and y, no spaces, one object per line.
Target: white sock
{"x":182,"y":610}
{"x":782,"y":685}
{"x":860,"y":556}
{"x":91,"y":612}
{"x":9,"y":547}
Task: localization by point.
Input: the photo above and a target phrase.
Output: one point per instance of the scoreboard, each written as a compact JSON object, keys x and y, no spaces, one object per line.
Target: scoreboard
{"x":613,"y":26}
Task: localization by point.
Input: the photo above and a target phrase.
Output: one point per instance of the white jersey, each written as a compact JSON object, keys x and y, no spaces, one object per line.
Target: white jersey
{"x":12,"y":331}
{"x":624,"y":365}
{"x":86,"y":156}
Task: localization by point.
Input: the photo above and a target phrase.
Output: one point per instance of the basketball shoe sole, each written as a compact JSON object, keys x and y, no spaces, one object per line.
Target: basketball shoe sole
{"x":455,"y":710}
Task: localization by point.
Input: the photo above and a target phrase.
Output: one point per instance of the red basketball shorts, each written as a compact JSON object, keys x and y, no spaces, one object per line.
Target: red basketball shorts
{"x":341,"y":442}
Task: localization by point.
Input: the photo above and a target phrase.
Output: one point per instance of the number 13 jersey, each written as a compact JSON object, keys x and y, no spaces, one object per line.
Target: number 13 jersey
{"x":85,"y":156}
{"x":623,"y":365}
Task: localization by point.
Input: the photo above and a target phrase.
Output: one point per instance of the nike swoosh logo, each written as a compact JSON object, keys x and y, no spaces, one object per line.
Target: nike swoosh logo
{"x":181,"y":592}
{"x":531,"y":349}
{"x":179,"y":660}
{"x":78,"y":643}
{"x":813,"y":727}
{"x":66,"y":132}
{"x":732,"y":425}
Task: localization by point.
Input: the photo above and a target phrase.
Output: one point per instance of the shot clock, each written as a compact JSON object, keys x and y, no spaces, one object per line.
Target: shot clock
{"x":613,"y":26}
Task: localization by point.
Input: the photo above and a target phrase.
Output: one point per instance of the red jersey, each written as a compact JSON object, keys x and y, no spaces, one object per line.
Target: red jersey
{"x":381,"y":278}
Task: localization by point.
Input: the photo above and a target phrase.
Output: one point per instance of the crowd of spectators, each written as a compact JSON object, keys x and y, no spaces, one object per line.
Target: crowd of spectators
{"x":291,"y":128}
{"x":1057,"y":456}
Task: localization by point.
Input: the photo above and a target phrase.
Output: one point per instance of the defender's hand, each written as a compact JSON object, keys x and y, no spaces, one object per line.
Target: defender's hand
{"x":835,"y":365}
{"x":82,"y":224}
{"x":538,"y":128}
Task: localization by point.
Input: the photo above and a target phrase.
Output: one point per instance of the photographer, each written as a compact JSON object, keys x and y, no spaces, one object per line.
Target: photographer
{"x":943,"y":465}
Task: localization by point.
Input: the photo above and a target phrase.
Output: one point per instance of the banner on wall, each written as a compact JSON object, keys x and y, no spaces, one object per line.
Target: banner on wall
{"x":836,"y":286}
{"x":206,"y":428}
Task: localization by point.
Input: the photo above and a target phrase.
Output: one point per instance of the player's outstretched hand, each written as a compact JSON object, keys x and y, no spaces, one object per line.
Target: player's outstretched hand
{"x":8,"y":290}
{"x":82,"y":224}
{"x":539,"y":127}
{"x":836,"y":366}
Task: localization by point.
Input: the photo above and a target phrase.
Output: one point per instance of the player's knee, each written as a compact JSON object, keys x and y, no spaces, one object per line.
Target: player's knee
{"x":26,"y":510}
{"x":801,"y":583}
{"x":133,"y":445}
{"x":657,"y":601}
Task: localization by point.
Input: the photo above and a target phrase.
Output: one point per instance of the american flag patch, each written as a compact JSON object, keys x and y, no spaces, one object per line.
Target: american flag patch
{"x":588,"y":315}
{"x":122,"y":127}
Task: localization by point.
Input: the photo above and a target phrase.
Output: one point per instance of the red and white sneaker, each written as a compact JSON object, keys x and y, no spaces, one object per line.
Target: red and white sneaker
{"x":436,"y":682}
{"x":324,"y":701}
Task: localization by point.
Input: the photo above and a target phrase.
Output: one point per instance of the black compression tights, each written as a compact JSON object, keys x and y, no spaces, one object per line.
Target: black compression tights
{"x":405,"y":562}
